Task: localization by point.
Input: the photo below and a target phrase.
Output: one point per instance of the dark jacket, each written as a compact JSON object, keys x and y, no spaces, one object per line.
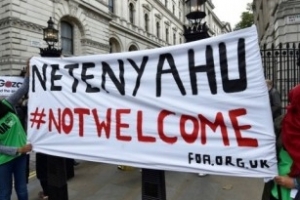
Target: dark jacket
{"x":41,"y":164}
{"x":275,"y":102}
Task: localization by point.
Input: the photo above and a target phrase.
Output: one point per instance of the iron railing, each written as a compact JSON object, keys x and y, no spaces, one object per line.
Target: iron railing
{"x":282,"y":65}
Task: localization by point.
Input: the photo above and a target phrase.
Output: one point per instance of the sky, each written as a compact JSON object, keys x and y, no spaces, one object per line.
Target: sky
{"x":230,"y":10}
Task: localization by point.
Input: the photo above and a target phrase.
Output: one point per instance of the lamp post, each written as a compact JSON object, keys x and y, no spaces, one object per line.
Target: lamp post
{"x":57,"y":167}
{"x":195,"y":12}
{"x":50,"y":35}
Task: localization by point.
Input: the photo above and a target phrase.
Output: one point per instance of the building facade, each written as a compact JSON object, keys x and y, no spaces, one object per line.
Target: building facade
{"x":92,"y":27}
{"x":278,"y":24}
{"x":277,"y":21}
{"x":215,"y":25}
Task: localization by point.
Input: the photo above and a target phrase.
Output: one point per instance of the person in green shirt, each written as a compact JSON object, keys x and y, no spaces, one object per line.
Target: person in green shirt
{"x":13,"y":147}
{"x":289,"y":154}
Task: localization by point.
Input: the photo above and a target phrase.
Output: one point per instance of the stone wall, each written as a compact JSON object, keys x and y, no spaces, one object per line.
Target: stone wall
{"x":95,"y":28}
{"x":278,"y":21}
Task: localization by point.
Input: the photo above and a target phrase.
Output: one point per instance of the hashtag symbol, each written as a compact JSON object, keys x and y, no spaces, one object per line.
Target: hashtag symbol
{"x":37,"y":118}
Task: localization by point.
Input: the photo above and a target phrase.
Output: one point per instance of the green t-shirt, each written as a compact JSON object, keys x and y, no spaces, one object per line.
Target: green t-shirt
{"x":284,"y":167}
{"x":12,"y":133}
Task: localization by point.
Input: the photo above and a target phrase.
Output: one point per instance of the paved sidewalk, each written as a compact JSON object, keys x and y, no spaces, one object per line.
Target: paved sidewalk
{"x":96,"y":181}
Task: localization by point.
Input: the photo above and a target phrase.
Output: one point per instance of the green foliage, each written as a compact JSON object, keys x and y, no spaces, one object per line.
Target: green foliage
{"x":247,"y":18}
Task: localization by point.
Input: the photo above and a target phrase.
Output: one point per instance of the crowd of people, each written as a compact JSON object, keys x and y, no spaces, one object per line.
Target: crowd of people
{"x":14,"y":147}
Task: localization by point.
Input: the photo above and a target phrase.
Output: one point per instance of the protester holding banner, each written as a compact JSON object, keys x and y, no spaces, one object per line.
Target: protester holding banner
{"x":13,"y":146}
{"x":276,"y":108}
{"x":21,"y":110}
{"x":289,"y":155}
{"x":41,"y":173}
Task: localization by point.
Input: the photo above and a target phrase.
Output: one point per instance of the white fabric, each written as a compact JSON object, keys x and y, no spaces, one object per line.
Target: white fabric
{"x":242,"y":108}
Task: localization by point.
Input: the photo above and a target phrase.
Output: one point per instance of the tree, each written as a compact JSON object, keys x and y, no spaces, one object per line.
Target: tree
{"x":247,"y":18}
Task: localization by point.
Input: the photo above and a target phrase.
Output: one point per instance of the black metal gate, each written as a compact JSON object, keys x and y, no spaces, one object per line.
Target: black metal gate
{"x":282,"y":65}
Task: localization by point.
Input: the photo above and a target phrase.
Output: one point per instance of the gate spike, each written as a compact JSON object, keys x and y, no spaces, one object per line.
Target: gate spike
{"x":265,"y":46}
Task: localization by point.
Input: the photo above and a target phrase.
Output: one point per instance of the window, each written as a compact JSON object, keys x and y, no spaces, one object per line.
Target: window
{"x":157,"y":29}
{"x":174,"y":38}
{"x":111,"y":6}
{"x":180,"y":40}
{"x":110,"y":47}
{"x":167,"y":35}
{"x":131,"y":13}
{"x":67,"y":38}
{"x":166,"y":3}
{"x":173,"y":9}
{"x":146,"y":23}
{"x":133,"y":48}
{"x":114,"y":45}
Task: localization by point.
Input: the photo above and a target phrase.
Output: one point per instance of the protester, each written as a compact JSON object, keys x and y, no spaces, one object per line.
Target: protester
{"x":41,"y":173}
{"x":13,"y":147}
{"x":21,"y":110}
{"x":276,"y":108}
{"x":289,"y":155}
{"x":275,"y":100}
{"x":41,"y":161}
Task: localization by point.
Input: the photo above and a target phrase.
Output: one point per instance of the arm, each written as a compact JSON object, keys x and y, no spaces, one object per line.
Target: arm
{"x":13,"y":151}
{"x":15,"y":97}
{"x":287,"y":182}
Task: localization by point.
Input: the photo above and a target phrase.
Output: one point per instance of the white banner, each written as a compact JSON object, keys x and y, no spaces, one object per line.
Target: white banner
{"x":10,"y":84}
{"x":200,"y":106}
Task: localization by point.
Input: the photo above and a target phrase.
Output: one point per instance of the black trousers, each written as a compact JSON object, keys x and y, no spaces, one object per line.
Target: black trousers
{"x":267,"y":191}
{"x":272,"y":198}
{"x":297,"y":196}
{"x":44,"y":185}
